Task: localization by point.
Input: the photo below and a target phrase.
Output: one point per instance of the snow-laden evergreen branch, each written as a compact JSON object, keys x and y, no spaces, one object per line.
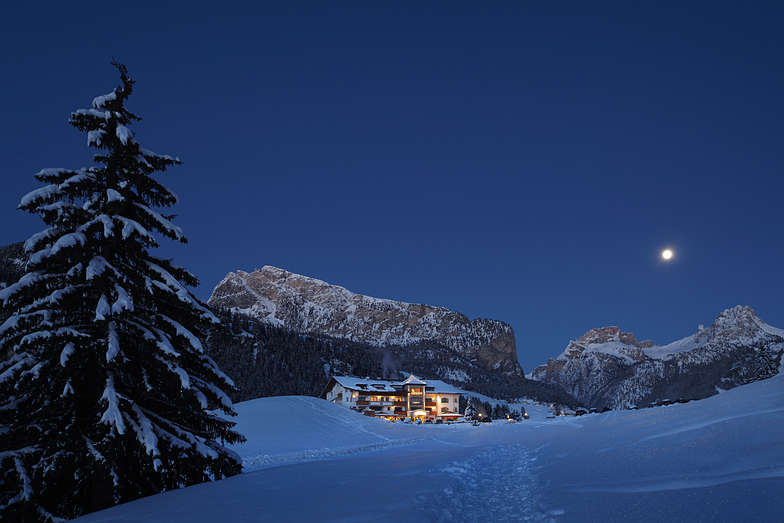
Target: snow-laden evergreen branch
{"x":112,"y":415}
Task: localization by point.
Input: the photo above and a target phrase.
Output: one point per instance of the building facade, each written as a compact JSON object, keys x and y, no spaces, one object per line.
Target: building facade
{"x":410,"y":398}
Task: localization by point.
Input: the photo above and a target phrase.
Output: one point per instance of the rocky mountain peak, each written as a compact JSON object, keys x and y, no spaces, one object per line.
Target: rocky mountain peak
{"x":624,"y":344}
{"x":737,"y":323}
{"x":609,"y":334}
{"x":309,"y":305}
{"x":271,"y":273}
{"x":607,"y":367}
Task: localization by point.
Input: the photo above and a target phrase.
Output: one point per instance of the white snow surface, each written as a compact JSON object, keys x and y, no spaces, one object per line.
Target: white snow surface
{"x":123,"y":133}
{"x":684,"y":345}
{"x":94,"y":137}
{"x":623,"y":350}
{"x":44,"y":193}
{"x":100,"y":101}
{"x":718,"y":459}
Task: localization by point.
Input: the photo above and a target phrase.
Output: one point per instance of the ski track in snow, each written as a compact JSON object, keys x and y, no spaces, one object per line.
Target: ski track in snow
{"x":498,"y":485}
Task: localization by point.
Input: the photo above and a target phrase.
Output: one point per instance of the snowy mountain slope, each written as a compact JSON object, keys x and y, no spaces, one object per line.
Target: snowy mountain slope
{"x":312,"y":306}
{"x":609,"y":368}
{"x":718,"y":459}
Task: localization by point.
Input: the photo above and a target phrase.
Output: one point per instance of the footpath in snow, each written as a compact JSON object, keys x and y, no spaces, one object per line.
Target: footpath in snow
{"x":719,"y":459}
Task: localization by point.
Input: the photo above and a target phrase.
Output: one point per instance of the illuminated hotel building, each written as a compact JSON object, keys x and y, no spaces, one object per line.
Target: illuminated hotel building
{"x":410,"y":398}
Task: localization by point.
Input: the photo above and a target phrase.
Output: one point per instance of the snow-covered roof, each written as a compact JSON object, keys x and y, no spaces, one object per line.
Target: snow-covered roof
{"x":364,"y":384}
{"x":371,"y":385}
{"x":442,"y":387}
{"x":413,"y":380}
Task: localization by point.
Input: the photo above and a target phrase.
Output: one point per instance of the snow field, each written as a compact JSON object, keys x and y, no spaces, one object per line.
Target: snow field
{"x":719,"y":459}
{"x":496,"y":485}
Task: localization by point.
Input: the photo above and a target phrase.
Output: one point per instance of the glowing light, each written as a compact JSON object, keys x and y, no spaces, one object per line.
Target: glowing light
{"x":667,"y":254}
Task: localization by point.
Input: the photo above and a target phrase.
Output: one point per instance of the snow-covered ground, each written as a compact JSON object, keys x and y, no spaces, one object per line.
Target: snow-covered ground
{"x":718,"y":459}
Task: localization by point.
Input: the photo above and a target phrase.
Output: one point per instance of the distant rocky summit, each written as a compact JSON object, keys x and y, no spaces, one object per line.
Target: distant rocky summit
{"x":308,"y":305}
{"x":610,"y":368}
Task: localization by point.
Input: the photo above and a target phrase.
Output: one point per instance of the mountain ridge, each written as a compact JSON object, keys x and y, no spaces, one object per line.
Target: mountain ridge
{"x":609,"y":368}
{"x":282,"y":298}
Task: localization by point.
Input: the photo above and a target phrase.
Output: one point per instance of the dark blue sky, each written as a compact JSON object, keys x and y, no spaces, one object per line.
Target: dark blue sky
{"x":522,"y":161}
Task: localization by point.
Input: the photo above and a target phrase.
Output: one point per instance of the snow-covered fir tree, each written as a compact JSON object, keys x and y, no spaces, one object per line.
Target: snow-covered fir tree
{"x":470,"y":411}
{"x":108,"y":395}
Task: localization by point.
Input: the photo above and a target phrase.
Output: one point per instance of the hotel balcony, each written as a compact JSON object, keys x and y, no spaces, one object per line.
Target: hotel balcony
{"x":366,"y":403}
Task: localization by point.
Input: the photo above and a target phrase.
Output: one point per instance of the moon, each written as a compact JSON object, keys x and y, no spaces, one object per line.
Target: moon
{"x":666,"y":254}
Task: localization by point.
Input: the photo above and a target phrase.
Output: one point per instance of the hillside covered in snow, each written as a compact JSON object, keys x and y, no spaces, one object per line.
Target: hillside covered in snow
{"x":718,"y":459}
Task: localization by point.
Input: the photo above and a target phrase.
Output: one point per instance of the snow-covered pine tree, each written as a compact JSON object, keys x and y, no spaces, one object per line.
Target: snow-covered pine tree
{"x":107,"y":396}
{"x":470,"y":411}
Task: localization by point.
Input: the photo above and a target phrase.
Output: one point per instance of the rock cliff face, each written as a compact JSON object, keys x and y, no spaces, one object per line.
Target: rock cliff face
{"x":609,"y":368}
{"x":308,"y":305}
